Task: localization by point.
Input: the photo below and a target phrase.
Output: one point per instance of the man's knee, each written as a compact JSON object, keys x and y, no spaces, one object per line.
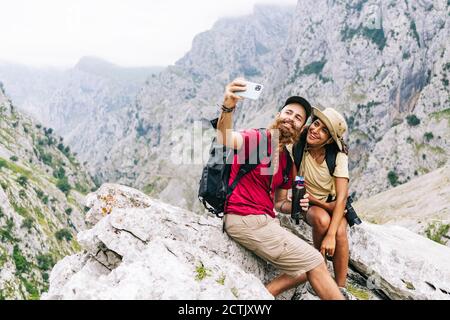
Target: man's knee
{"x":320,"y":269}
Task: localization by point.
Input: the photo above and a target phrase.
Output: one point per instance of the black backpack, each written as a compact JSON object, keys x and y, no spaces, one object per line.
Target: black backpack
{"x":214,"y":189}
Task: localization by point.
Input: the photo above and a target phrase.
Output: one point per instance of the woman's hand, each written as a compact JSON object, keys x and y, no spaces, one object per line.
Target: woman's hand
{"x":304,"y":203}
{"x":328,"y":245}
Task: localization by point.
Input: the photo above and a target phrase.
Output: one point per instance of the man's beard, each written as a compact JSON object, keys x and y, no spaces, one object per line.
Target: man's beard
{"x":286,"y":135}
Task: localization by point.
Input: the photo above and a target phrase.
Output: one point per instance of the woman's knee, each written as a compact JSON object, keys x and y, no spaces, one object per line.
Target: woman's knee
{"x":318,"y":218}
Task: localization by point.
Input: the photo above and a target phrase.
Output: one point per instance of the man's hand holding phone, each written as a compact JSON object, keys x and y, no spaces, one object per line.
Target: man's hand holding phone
{"x":231,"y":98}
{"x":239,"y":89}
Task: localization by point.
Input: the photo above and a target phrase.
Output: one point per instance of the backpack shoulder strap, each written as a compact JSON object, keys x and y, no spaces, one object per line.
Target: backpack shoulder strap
{"x":288,"y":170}
{"x":247,"y":167}
{"x":299,"y":148}
{"x":331,"y":152}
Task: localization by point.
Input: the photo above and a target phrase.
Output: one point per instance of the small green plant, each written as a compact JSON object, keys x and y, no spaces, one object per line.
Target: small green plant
{"x":412,"y":120}
{"x":31,"y":289}
{"x":45,"y":261}
{"x":14,"y":158}
{"x":201,"y":272}
{"x":63,"y":185}
{"x":22,"y":265}
{"x":6,"y":232}
{"x":3,"y":163}
{"x":28,"y":223}
{"x":221,"y":280}
{"x":60,"y":173}
{"x":63,"y":234}
{"x":358,"y":293}
{"x":22,"y":193}
{"x":428,"y":136}
{"x":46,"y":158}
{"x":68,"y":211}
{"x":22,"y":180}
{"x":393,"y":178}
{"x":436,"y":231}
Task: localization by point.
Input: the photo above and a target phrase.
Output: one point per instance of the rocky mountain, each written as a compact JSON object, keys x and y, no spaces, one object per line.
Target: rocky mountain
{"x":164,"y":147}
{"x":384,"y":64}
{"x":85,"y":104}
{"x":135,"y":243}
{"x":42,"y":188}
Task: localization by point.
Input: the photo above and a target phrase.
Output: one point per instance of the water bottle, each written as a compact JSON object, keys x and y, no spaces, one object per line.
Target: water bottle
{"x":298,"y":192}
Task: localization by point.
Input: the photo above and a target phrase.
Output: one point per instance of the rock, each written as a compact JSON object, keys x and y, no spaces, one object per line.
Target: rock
{"x":401,"y":263}
{"x":146,"y":249}
{"x":394,"y":261}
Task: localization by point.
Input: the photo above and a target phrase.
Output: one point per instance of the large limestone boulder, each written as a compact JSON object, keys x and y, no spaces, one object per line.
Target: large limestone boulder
{"x":140,"y":248}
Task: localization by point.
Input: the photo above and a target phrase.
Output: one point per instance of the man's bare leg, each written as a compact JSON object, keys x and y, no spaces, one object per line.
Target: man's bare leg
{"x":323,"y":284}
{"x":285,"y":282}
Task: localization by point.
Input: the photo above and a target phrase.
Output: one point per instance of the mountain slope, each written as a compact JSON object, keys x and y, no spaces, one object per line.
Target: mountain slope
{"x":384,"y":65}
{"x":420,"y":205}
{"x":85,"y":104}
{"x":41,"y":203}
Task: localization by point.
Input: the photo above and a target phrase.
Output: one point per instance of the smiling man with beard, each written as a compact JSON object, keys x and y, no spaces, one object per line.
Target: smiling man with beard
{"x":250,"y":210}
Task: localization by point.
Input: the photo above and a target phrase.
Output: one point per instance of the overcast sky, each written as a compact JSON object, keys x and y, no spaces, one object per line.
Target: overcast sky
{"x":125,"y":32}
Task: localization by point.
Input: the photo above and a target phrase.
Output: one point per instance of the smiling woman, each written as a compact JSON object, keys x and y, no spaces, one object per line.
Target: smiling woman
{"x":132,"y":33}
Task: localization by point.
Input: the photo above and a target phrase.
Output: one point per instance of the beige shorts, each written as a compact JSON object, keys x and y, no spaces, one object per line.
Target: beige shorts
{"x":264,"y":236}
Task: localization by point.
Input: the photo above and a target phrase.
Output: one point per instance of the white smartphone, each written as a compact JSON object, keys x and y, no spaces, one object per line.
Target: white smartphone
{"x":253,"y":90}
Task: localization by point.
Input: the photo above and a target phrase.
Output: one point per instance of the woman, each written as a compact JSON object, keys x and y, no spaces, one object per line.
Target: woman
{"x":328,"y":193}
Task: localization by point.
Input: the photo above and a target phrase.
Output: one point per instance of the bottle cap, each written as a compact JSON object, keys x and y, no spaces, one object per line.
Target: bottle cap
{"x":300,"y":179}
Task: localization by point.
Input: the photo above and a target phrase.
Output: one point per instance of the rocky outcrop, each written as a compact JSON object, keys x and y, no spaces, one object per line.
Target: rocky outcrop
{"x":142,"y":248}
{"x":394,"y":260}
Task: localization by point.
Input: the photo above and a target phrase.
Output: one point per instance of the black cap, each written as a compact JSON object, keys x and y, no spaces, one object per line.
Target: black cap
{"x":301,"y":101}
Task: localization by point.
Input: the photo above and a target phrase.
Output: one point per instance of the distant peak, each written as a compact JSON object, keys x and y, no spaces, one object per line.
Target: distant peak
{"x":89,"y":62}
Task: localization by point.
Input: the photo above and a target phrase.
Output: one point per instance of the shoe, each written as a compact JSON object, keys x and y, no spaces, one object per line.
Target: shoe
{"x":347,"y":295}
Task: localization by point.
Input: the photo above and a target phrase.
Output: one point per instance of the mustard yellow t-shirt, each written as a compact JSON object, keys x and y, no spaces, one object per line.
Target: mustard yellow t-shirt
{"x":319,"y":182}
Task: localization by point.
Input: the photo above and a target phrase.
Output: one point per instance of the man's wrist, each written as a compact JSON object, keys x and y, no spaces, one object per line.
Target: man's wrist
{"x":226,"y":109}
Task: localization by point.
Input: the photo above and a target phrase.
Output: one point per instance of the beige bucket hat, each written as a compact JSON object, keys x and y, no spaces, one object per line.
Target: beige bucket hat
{"x":335,"y":123}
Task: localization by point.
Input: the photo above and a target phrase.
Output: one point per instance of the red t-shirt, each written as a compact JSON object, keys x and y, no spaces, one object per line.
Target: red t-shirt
{"x":251,"y":194}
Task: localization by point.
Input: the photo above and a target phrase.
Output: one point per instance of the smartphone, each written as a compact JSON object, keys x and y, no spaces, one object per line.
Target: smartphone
{"x":253,"y":90}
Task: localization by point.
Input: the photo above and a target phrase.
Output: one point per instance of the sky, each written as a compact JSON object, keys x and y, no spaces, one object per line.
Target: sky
{"x":126,"y":32}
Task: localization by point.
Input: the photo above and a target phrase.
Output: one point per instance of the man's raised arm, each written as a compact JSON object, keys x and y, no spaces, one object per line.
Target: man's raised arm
{"x":225,"y":133}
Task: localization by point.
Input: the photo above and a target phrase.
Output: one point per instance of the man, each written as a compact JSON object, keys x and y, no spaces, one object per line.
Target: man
{"x":249,"y":212}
